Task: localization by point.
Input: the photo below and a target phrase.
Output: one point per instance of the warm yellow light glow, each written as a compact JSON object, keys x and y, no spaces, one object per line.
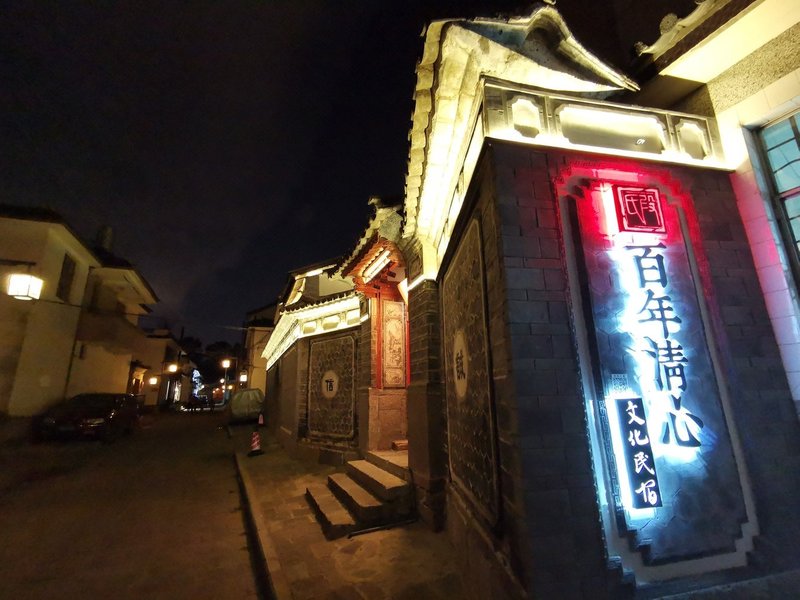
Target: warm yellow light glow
{"x":24,"y":286}
{"x":243,"y":377}
{"x":302,"y":322}
{"x":173,"y":368}
{"x":417,"y":281}
{"x":153,"y":381}
{"x":226,"y":363}
{"x":376,"y":265}
{"x":222,"y":381}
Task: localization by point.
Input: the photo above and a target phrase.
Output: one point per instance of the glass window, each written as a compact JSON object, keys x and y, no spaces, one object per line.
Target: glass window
{"x":781,"y":143}
{"x":65,"y":279}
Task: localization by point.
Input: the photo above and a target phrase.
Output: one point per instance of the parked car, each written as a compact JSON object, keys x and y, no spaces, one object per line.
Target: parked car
{"x":245,"y":405}
{"x":103,"y":416}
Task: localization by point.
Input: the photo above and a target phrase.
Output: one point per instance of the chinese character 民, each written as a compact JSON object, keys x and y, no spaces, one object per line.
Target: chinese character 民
{"x":640,"y":463}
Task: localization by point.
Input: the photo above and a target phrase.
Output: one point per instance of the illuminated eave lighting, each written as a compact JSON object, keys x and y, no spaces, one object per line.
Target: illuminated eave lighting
{"x":380,"y":261}
{"x":289,"y":328}
{"x":24,"y":286}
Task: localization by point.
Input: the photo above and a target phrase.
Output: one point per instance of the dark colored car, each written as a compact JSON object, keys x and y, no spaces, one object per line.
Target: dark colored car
{"x":103,"y":416}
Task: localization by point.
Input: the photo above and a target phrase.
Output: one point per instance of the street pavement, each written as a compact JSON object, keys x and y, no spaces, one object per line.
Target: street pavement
{"x":155,"y":515}
{"x":405,"y":563}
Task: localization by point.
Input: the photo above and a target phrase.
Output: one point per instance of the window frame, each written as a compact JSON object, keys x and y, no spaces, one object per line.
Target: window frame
{"x":778,"y":200}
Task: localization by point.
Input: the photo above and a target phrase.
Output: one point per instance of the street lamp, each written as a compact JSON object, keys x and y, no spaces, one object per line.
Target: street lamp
{"x":226,"y":364}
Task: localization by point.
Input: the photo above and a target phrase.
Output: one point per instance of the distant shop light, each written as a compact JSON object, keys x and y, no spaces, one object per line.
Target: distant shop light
{"x":173,"y":368}
{"x":153,"y":381}
{"x":24,"y":286}
{"x":243,"y":377}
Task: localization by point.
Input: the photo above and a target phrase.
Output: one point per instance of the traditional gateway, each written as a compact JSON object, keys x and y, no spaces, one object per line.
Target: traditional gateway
{"x":582,"y":320}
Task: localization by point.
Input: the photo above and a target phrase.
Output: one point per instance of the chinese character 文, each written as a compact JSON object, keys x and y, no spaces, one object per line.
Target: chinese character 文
{"x":632,"y":416}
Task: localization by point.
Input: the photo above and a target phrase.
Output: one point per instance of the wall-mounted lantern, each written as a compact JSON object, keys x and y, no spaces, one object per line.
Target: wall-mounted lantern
{"x":22,"y":286}
{"x":153,"y":381}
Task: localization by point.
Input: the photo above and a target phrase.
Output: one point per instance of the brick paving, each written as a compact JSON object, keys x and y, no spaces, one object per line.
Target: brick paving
{"x":405,"y":563}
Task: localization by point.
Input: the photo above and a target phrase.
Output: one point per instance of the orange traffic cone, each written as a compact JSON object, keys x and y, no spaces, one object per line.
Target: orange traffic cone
{"x":255,"y":444}
{"x":261,"y":419}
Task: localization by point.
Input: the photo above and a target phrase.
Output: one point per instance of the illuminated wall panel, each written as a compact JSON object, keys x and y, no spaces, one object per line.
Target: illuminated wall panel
{"x":674,"y":477}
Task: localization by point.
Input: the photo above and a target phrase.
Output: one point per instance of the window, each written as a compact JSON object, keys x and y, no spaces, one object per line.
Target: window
{"x":65,"y":279}
{"x":781,"y":142}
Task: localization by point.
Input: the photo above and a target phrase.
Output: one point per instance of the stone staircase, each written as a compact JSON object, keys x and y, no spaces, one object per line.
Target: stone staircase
{"x":365,"y":495}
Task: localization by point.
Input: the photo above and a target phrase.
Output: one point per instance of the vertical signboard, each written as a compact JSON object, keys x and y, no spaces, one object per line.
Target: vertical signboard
{"x":678,"y":492}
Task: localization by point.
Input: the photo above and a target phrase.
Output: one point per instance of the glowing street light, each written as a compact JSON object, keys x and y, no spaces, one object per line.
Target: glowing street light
{"x":226,"y":364}
{"x":173,"y":368}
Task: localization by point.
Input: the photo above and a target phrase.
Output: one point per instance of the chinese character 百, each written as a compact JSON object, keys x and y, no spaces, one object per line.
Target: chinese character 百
{"x":650,"y":266}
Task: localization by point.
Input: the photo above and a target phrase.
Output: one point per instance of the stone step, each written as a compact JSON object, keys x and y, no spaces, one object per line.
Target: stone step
{"x":381,"y":484}
{"x":334,"y":518}
{"x":365,"y":507}
{"x":395,"y":463}
{"x":400,"y":445}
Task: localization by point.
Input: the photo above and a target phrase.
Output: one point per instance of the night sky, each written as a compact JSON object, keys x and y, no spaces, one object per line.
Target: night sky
{"x":225,"y":143}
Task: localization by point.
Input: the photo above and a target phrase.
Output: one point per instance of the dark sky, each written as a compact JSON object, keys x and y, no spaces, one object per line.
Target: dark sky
{"x":226,"y":143}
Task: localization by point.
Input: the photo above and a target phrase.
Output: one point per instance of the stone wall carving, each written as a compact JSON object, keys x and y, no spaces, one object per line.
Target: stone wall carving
{"x":470,"y":406}
{"x":331,"y":387}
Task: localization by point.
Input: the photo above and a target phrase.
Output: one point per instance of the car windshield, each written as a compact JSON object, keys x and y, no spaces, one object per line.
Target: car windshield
{"x":92,"y":400}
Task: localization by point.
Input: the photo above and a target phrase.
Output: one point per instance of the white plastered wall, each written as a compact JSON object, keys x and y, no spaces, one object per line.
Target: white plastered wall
{"x":780,"y":291}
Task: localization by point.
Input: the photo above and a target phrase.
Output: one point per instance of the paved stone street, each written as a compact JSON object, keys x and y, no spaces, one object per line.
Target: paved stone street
{"x":405,"y":563}
{"x":154,"y":515}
